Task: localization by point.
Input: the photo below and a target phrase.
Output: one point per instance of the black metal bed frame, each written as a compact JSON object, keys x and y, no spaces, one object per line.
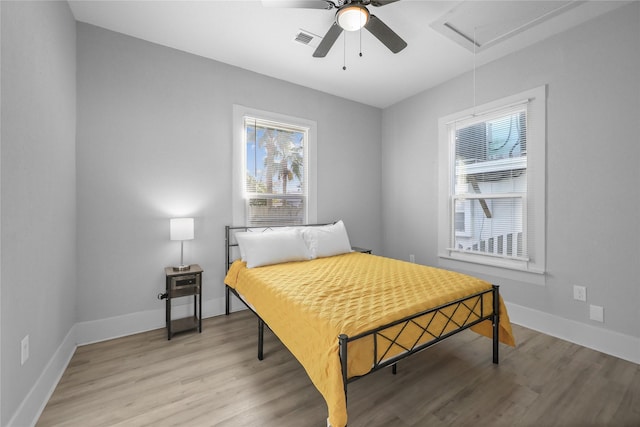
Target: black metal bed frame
{"x":472,"y":305}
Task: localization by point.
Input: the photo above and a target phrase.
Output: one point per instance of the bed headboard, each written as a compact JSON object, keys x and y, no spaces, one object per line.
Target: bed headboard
{"x":231,"y":245}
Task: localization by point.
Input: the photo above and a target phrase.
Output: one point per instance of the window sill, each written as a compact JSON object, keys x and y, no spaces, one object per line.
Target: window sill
{"x":521,"y":272}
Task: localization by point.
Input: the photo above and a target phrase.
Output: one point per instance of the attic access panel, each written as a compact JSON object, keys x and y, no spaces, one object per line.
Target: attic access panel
{"x":478,"y":25}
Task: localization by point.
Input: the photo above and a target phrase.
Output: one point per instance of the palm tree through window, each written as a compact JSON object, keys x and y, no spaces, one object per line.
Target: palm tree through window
{"x":275,"y":180}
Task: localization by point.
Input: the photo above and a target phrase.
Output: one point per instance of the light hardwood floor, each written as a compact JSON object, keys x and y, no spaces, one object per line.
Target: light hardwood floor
{"x":215,"y":379}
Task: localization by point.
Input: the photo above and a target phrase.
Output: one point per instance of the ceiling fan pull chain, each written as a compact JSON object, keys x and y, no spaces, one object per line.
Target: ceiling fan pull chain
{"x":360,"y":42}
{"x":344,"y":53}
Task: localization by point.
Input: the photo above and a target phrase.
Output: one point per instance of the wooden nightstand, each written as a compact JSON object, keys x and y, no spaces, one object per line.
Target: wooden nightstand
{"x":182,"y":284}
{"x":359,"y":249}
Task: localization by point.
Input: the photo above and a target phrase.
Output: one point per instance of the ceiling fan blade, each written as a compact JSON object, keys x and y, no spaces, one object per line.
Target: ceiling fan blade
{"x":299,"y":4}
{"x":328,"y":41}
{"x":385,"y":34}
{"x":379,"y":3}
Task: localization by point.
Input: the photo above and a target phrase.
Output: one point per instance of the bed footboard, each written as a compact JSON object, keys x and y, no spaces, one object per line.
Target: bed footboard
{"x":470,"y":306}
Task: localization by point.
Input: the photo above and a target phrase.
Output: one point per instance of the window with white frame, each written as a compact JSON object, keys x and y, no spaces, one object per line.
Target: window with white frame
{"x":272,"y":169}
{"x":493,"y":164}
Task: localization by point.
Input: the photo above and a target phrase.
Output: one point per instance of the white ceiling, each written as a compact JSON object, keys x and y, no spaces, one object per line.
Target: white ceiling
{"x":261,"y":39}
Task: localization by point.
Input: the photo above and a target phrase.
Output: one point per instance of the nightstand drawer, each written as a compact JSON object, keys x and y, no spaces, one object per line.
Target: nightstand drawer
{"x":186,"y":281}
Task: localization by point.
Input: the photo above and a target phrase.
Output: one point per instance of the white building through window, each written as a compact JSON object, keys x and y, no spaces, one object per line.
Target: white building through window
{"x":493,"y":166}
{"x":272,"y":169}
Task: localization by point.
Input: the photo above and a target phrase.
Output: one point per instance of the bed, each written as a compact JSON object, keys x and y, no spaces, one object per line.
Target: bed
{"x":346,"y":314}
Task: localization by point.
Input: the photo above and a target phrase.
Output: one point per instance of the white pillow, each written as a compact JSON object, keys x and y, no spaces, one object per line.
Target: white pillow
{"x":243,"y":256}
{"x":272,"y":247}
{"x":327,"y":240}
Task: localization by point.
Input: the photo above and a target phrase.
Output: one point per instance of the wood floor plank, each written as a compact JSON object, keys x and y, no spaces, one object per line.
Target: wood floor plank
{"x":215,"y":379}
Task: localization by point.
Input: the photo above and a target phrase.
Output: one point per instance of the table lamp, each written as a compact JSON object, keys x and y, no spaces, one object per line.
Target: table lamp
{"x":181,"y":229}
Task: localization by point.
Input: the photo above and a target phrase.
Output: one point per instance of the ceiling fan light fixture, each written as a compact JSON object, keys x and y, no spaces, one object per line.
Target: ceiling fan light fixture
{"x":352,"y":17}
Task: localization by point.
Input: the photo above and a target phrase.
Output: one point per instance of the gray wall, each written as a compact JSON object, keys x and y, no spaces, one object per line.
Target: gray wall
{"x":38,"y":216}
{"x":155,"y":137}
{"x":593,"y":110}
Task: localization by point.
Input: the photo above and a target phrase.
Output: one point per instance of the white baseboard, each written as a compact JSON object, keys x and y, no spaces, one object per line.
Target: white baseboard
{"x":32,"y":406}
{"x":143,"y":321}
{"x":613,"y":343}
{"x":119,"y":326}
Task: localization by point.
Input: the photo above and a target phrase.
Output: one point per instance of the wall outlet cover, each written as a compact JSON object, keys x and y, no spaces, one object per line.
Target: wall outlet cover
{"x":596,"y":313}
{"x":579,"y":293}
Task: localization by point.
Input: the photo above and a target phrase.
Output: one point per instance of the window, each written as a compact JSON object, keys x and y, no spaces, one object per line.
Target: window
{"x":492,"y":161}
{"x":272,"y":169}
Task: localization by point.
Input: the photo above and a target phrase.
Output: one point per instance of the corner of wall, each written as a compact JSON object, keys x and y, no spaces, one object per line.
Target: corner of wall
{"x":34,"y":403}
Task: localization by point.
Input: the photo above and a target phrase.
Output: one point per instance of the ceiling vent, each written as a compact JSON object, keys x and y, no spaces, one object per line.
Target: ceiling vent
{"x":478,"y":25}
{"x":306,"y":38}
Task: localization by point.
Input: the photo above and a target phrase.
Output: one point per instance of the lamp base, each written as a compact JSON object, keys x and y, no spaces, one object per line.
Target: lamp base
{"x":182,"y":267}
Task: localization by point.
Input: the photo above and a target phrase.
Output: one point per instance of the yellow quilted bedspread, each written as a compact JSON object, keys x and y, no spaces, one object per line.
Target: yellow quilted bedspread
{"x":308,"y":304}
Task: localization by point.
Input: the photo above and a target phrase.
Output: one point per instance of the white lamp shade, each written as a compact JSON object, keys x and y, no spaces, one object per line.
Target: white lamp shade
{"x":352,"y":18}
{"x":181,"y":228}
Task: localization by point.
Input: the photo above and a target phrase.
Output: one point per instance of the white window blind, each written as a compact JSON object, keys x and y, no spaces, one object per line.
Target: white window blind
{"x":275,"y":172}
{"x":489,"y":183}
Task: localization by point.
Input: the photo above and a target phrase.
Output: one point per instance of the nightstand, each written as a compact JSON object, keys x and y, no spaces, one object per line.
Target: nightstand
{"x":184,"y":284}
{"x":362,"y":250}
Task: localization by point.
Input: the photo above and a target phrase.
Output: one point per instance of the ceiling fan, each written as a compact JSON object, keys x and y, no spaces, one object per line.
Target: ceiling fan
{"x":351,"y":15}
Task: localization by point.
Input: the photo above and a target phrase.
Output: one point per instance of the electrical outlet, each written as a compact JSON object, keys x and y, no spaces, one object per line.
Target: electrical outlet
{"x":579,"y":293}
{"x":24,"y":349}
{"x":412,"y":258}
{"x":596,"y":313}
